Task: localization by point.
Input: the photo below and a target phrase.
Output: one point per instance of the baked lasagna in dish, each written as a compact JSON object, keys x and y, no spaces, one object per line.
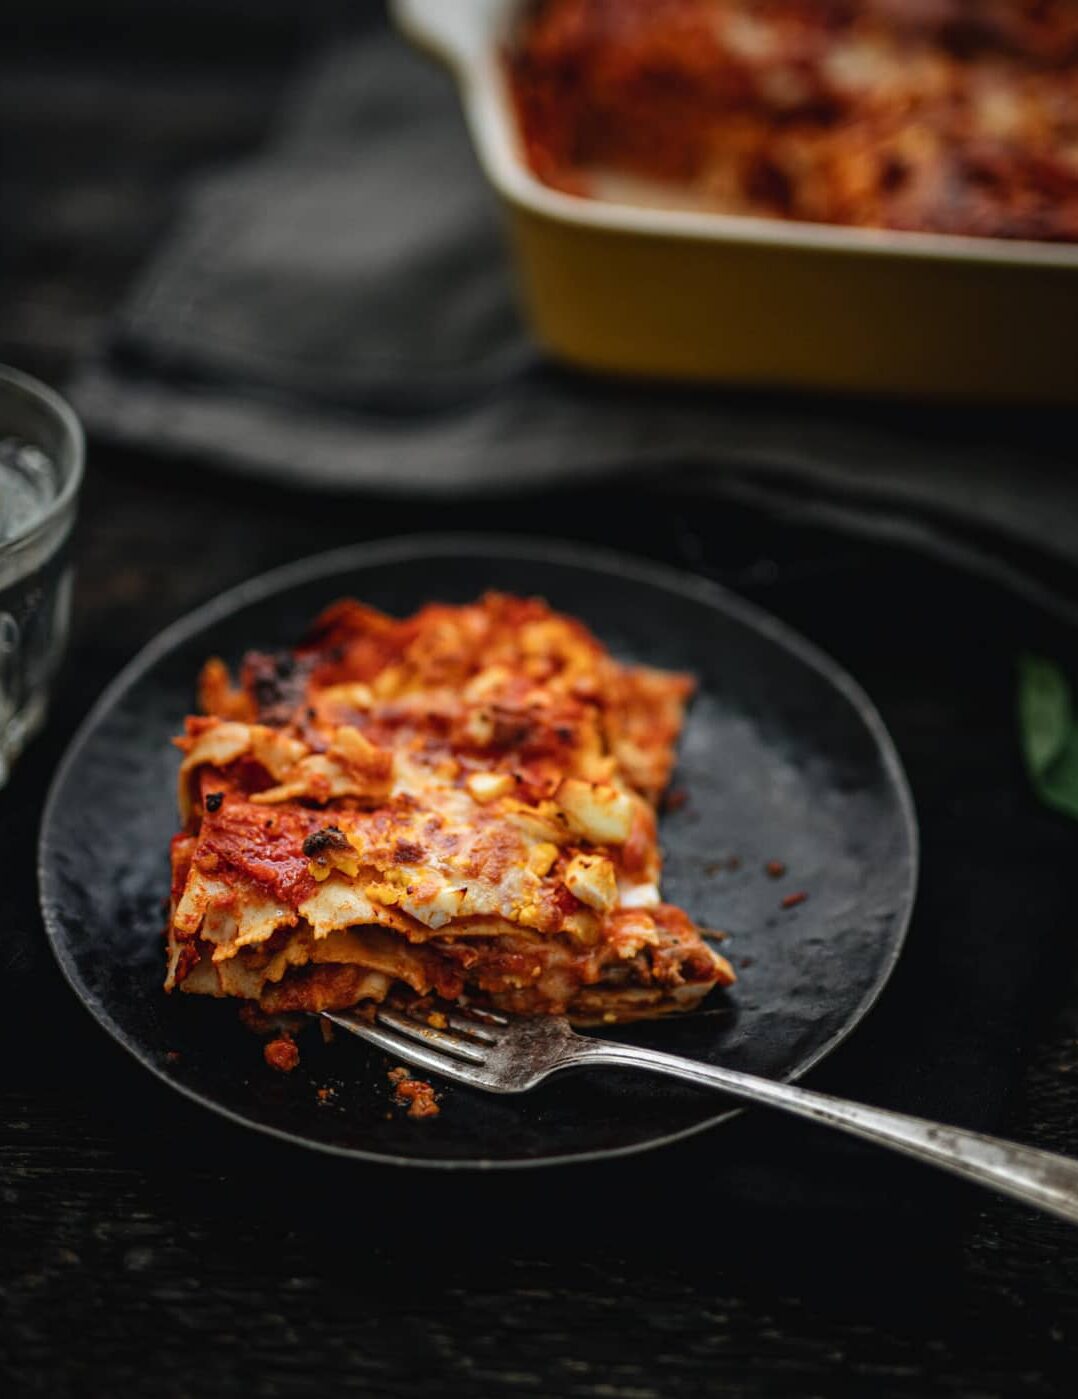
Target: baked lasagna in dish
{"x":460,"y":804}
{"x":945,"y":116}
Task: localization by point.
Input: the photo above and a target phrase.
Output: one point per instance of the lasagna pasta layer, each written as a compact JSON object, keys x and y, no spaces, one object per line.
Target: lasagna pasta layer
{"x":460,"y":803}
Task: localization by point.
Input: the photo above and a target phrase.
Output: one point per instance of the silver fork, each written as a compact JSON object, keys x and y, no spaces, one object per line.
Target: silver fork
{"x":504,"y":1054}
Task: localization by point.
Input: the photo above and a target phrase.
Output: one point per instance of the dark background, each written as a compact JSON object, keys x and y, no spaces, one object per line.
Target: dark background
{"x":148,"y":1248}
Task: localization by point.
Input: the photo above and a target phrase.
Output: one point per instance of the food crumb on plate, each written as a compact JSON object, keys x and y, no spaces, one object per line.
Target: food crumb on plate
{"x":675,"y":799}
{"x":281,"y":1054}
{"x":413,"y":1093}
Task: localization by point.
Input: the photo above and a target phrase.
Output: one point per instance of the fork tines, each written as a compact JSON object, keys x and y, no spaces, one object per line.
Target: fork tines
{"x":456,"y":1043}
{"x":463,"y":1040}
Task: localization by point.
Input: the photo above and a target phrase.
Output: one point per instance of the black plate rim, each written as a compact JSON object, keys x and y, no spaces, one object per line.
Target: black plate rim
{"x":402,"y":548}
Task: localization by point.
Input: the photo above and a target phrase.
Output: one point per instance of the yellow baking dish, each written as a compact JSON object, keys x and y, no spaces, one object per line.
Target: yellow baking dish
{"x":689,"y":295}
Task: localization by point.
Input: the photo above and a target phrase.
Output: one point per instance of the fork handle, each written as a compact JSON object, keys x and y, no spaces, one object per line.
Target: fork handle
{"x":1038,"y":1178}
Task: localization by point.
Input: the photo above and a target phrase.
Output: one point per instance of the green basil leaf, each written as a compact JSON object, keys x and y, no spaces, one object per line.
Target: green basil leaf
{"x":1044,"y":712}
{"x":1048,"y":733}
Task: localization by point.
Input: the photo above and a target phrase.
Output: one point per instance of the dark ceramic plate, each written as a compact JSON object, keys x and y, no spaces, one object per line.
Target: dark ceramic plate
{"x":783,"y":758}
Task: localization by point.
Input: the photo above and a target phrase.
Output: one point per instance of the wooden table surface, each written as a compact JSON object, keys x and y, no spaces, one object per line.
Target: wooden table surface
{"x":147,"y":1248}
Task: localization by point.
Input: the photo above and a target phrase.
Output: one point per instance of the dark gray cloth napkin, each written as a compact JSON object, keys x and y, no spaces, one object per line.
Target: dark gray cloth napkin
{"x":339,"y":314}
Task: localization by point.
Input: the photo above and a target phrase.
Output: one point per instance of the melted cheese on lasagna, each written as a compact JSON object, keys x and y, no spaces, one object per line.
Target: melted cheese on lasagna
{"x":946,"y":116}
{"x":460,"y":803}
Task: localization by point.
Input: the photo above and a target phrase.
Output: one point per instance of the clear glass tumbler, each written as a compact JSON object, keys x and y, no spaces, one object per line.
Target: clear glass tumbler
{"x":41,"y":462}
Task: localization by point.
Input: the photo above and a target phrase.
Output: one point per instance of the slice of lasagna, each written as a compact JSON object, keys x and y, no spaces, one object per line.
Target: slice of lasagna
{"x":460,"y":803}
